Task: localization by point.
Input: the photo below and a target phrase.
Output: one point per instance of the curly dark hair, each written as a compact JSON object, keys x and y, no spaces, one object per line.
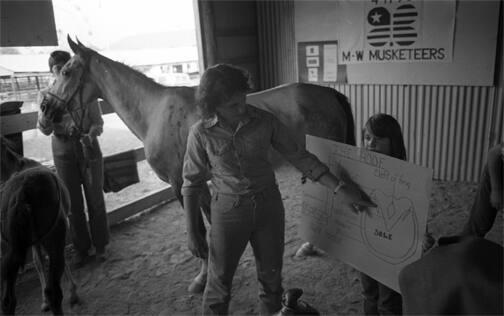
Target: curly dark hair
{"x":58,"y":57}
{"x":384,"y":125}
{"x":218,"y":84}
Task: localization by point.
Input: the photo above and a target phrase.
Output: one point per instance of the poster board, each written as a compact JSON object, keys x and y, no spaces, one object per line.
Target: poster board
{"x":381,"y":243}
{"x":473,"y":53}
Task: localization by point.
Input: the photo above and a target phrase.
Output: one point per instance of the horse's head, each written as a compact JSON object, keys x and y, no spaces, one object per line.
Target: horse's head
{"x":72,"y":84}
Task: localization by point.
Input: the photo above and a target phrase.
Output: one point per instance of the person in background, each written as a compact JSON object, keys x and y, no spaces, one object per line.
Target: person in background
{"x":231,"y":142}
{"x":488,"y":200}
{"x":382,"y":134}
{"x":79,"y":163}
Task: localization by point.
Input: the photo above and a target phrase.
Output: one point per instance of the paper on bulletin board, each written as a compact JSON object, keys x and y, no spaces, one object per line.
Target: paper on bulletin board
{"x":330,"y":63}
{"x":379,"y":244}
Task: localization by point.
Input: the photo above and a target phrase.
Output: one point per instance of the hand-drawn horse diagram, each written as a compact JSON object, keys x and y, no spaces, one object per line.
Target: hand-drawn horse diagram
{"x":161,"y":116}
{"x":394,"y":217}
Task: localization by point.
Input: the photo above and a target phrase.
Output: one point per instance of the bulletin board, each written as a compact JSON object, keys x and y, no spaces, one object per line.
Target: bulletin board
{"x":318,"y":63}
{"x":470,"y":62}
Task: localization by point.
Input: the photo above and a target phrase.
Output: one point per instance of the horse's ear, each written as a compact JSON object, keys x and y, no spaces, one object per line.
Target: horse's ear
{"x":75,"y":48}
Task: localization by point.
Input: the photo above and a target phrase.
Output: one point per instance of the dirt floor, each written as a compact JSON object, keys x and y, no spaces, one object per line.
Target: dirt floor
{"x":149,"y":267}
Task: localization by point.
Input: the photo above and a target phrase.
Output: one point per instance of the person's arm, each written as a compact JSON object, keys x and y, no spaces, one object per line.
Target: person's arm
{"x":315,"y":170}
{"x":95,"y":123}
{"x":495,"y":171}
{"x":194,"y":175}
{"x":43,"y":123}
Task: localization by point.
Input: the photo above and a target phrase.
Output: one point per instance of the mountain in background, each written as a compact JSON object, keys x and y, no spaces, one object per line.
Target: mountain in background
{"x":176,"y":38}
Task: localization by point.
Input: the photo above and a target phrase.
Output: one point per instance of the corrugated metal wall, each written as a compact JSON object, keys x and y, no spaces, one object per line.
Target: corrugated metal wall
{"x":277,"y":56}
{"x":447,"y":128}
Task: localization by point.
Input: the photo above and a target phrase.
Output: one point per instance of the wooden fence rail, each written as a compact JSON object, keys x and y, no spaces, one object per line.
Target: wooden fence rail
{"x":17,"y":123}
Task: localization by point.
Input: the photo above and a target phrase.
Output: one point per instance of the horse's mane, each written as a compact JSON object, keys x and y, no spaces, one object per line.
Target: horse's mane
{"x":9,"y":155}
{"x":9,"y":147}
{"x":138,"y":74}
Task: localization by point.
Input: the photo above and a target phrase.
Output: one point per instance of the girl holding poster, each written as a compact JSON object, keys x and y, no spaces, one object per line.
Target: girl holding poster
{"x":382,"y":134}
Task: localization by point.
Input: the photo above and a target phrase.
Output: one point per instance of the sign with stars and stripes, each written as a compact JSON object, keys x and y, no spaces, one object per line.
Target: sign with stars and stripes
{"x":400,"y":31}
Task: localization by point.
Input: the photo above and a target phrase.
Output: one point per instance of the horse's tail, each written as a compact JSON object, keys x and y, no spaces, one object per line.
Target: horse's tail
{"x":343,"y":100}
{"x":20,"y":229}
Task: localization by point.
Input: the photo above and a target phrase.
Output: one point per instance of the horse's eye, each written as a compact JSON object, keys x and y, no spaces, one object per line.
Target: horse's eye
{"x":65,"y":72}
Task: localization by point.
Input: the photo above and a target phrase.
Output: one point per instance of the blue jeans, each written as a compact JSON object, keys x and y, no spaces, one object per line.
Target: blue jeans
{"x":237,"y":220}
{"x":78,"y":174}
{"x":482,"y":214}
{"x":379,"y":299}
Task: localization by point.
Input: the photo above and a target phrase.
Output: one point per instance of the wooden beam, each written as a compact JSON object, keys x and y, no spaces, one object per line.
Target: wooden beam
{"x":17,"y":123}
{"x":158,"y":197}
{"x":139,"y":154}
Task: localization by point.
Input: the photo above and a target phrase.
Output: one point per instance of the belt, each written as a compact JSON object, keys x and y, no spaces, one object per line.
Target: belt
{"x":65,"y":137}
{"x":250,"y":194}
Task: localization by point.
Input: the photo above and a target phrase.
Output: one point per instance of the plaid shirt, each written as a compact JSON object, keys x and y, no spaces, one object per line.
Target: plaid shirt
{"x":238,"y":161}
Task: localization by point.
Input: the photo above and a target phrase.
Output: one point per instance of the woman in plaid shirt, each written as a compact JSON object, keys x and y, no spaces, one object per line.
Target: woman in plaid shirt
{"x":231,"y":143}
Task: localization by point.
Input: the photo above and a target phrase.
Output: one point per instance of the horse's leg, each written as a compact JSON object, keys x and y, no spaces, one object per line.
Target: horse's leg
{"x":56,"y":250}
{"x":199,"y":282}
{"x":39,"y":263}
{"x":74,"y":298}
{"x":10,"y":264}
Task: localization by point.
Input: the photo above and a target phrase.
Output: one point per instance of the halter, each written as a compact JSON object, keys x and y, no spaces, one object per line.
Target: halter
{"x":66,"y":103}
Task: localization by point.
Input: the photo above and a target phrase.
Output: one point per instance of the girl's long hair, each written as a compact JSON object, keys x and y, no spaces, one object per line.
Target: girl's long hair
{"x":218,"y":84}
{"x":384,"y":125}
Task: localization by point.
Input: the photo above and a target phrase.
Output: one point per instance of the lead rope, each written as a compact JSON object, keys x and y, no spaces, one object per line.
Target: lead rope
{"x":86,"y":150}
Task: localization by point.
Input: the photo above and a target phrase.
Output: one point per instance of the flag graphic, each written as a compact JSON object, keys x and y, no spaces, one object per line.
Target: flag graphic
{"x":403,"y":31}
{"x":379,"y":18}
{"x":396,"y":28}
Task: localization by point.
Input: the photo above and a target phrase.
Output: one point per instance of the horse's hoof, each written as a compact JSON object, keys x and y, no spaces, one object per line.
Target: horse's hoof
{"x":45,"y":307}
{"x":197,"y":286}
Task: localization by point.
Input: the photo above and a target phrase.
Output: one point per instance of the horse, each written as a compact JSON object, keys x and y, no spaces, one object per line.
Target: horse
{"x":161,"y":116}
{"x":462,"y":276}
{"x":34,"y":202}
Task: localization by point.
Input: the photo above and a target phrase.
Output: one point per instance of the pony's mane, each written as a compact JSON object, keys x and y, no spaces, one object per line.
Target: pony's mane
{"x":9,"y":145}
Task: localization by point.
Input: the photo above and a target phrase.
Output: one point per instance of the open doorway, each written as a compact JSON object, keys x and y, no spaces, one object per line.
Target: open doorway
{"x":155,"y":37}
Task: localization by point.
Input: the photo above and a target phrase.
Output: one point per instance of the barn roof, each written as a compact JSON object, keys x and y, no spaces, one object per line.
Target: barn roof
{"x":28,"y":63}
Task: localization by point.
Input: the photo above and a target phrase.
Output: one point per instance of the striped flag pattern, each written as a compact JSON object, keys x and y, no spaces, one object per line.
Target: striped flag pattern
{"x":397,"y":28}
{"x":403,"y":32}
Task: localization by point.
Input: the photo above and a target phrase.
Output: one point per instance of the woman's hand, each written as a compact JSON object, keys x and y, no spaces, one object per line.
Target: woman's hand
{"x":198,"y":245}
{"x":196,"y":232}
{"x":352,"y":195}
{"x":355,"y":197}
{"x":428,"y":242}
{"x":496,"y":199}
{"x":86,"y":140}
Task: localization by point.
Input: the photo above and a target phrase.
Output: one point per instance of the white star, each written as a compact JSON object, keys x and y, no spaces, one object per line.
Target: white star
{"x":376,"y":17}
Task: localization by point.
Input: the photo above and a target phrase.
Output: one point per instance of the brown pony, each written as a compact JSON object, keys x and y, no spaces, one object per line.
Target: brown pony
{"x":161,"y":116}
{"x":34,"y":202}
